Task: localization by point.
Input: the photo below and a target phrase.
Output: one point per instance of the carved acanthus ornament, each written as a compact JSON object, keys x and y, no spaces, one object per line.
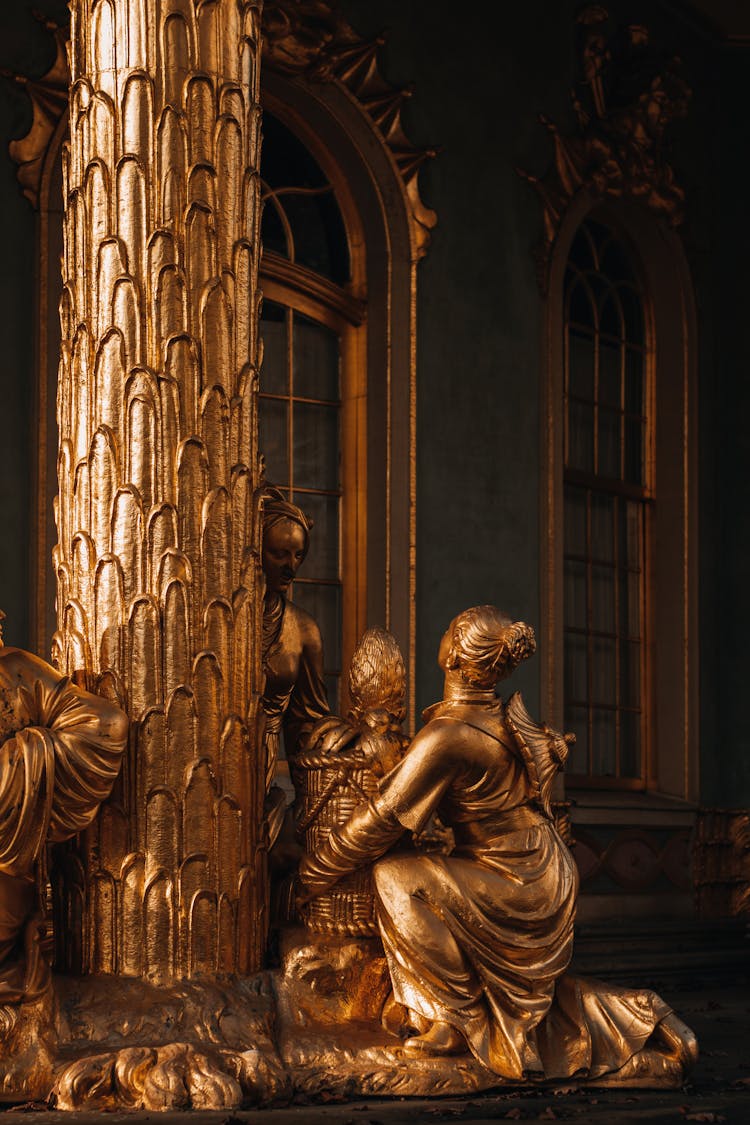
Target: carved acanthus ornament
{"x":628,"y":94}
{"x":49,"y":100}
{"x":308,"y":39}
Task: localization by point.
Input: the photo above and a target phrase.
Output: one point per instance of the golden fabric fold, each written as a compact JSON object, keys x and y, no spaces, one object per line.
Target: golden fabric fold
{"x":480,"y":940}
{"x":60,"y":752}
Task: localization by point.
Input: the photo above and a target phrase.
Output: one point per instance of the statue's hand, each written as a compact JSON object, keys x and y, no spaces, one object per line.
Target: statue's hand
{"x":330,"y":735}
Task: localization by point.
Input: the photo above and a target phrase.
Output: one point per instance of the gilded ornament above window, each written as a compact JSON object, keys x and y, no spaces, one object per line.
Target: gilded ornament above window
{"x":628,"y":94}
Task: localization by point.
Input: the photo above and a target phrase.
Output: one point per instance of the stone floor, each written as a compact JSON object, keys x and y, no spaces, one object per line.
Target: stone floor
{"x":719,"y":1090}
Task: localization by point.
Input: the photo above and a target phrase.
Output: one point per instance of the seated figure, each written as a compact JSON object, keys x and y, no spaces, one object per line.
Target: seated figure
{"x":60,"y":752}
{"x":478,"y":941}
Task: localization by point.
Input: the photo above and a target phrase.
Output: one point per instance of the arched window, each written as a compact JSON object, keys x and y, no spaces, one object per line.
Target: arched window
{"x":619,"y":547}
{"x":607,"y":499}
{"x":305,"y":380}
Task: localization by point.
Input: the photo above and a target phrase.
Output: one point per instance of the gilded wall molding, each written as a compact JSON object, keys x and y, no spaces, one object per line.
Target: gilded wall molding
{"x":307,"y":39}
{"x":627,"y":95}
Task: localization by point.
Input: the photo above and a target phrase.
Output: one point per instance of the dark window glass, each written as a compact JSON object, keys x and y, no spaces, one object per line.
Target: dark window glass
{"x":299,"y":423}
{"x":606,"y":507}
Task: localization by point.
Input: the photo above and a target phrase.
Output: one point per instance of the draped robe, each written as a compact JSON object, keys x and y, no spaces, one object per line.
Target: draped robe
{"x":481,"y":939}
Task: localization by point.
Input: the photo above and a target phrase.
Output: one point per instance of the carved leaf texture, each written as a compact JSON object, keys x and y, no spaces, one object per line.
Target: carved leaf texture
{"x":157,"y":470}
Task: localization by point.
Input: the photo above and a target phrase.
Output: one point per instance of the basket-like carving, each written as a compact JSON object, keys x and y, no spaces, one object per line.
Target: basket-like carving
{"x":329,"y":788}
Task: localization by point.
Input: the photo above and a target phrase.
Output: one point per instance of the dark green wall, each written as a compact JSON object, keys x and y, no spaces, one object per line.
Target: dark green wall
{"x":480,"y":83}
{"x":479,"y":86}
{"x":26,"y":48}
{"x":726,"y":446}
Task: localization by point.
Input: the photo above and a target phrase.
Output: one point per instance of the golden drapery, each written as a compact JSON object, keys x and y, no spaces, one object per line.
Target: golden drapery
{"x":60,"y":752}
{"x":481,"y":939}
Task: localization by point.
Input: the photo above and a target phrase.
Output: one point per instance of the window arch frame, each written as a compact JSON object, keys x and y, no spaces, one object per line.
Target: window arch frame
{"x":671,"y":585}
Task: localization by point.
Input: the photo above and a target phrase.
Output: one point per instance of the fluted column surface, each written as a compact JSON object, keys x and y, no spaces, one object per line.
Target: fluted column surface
{"x":157,"y":584}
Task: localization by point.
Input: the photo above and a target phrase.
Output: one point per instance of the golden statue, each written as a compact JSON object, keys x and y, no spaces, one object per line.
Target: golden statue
{"x":478,"y":942}
{"x":330,"y":784}
{"x":294,"y":698}
{"x":60,"y":751}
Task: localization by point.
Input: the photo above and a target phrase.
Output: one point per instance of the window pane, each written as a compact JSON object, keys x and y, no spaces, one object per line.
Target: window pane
{"x":272,"y":233}
{"x":610,"y":321}
{"x":630,"y":674}
{"x":576,"y":668}
{"x":323,"y":557}
{"x":316,"y":446}
{"x":602,"y":527}
{"x":324,"y":604}
{"x":605,"y":448}
{"x":633,"y":604}
{"x":316,"y":360}
{"x":575,"y":521}
{"x":575,"y":595}
{"x":273,"y":436}
{"x":630,"y":744}
{"x":603,"y":743}
{"x":633,"y":381}
{"x":581,"y":437}
{"x":634,"y":451}
{"x":633,"y":314}
{"x":581,"y":366}
{"x":580,"y":309}
{"x":576,"y":722}
{"x":603,"y":599}
{"x":609,"y":374}
{"x":308,"y":201}
{"x":604,"y":671}
{"x":274,"y":378}
{"x":609,"y":443}
{"x":613,"y":259}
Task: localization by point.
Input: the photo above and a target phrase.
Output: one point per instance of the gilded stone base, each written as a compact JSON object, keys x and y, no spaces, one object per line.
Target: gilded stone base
{"x":27,"y":1035}
{"x":105,"y":1043}
{"x":330,"y":995}
{"x":312,"y":1028}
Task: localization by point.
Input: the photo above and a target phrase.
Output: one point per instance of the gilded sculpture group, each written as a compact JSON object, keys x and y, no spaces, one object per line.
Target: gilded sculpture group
{"x":477,"y":939}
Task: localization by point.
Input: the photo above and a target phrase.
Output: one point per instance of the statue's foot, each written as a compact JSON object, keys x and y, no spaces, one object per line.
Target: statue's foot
{"x":677,"y":1040}
{"x":441,"y":1039}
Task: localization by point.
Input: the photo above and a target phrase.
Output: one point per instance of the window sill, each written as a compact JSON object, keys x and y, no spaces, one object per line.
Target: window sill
{"x":635,"y":808}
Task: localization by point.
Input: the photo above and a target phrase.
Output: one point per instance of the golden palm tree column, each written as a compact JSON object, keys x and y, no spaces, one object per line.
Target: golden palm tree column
{"x":158,"y":585}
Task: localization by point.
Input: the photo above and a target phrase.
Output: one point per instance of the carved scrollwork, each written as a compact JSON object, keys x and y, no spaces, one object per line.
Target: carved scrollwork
{"x":628,"y":95}
{"x":49,"y":100}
